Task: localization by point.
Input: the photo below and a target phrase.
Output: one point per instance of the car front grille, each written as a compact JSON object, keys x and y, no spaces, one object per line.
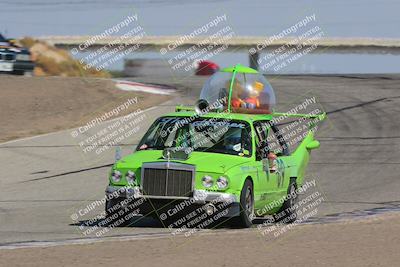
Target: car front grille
{"x":167,"y":179}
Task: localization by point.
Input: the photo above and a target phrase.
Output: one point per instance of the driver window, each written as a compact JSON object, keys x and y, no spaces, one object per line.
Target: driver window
{"x":261,"y":129}
{"x":277,"y":141}
{"x":273,"y":143}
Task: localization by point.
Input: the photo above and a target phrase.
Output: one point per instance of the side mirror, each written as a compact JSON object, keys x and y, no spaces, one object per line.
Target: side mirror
{"x":246,"y":152}
{"x":200,"y":106}
{"x":313,"y":145}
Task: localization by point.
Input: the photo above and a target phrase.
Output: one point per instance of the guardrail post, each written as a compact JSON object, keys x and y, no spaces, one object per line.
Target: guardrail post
{"x":253,"y":58}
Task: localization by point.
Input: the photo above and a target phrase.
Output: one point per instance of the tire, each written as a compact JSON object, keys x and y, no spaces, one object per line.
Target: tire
{"x":119,"y":212}
{"x":19,"y":72}
{"x":110,"y":204}
{"x":245,"y":219}
{"x":288,"y":208}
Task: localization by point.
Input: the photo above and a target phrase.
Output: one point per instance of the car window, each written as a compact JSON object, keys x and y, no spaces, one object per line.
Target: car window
{"x":273,"y":142}
{"x":269,"y":136}
{"x":261,"y":131}
{"x":277,"y":141}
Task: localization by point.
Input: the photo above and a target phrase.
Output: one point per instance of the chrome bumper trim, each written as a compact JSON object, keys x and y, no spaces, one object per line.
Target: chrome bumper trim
{"x":199,"y":196}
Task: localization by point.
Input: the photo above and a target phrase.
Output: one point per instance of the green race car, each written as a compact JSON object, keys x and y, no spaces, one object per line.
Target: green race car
{"x":226,"y":158}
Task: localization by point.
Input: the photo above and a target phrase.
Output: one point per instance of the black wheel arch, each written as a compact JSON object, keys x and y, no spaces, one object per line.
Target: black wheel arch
{"x":292,"y":180}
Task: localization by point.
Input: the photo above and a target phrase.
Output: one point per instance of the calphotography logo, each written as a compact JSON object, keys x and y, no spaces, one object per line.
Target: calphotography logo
{"x":105,"y":49}
{"x":100,"y":134}
{"x":202,"y":44}
{"x":277,"y":59}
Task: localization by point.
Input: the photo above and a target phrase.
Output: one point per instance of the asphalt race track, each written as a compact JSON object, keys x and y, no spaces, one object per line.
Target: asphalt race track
{"x":46,"y":179}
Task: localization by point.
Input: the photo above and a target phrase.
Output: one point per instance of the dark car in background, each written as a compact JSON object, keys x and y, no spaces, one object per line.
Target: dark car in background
{"x":14,"y":59}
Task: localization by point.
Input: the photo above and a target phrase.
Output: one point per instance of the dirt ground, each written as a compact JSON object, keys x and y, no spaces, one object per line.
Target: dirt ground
{"x":36,"y":105}
{"x":368,"y":242}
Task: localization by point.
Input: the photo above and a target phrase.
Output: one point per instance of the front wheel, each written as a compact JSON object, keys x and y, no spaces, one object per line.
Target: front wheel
{"x":116,"y":212}
{"x":245,"y":218}
{"x":112,"y":207}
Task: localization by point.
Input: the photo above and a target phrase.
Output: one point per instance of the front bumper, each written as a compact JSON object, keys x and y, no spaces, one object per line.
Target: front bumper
{"x":17,"y":67}
{"x":24,"y":65}
{"x":200,"y":197}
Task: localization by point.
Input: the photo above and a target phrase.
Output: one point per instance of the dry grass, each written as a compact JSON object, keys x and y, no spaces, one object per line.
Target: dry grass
{"x":52,"y":61}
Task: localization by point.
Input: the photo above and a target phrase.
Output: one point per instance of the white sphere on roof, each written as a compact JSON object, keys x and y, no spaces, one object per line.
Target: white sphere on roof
{"x":239,"y":89}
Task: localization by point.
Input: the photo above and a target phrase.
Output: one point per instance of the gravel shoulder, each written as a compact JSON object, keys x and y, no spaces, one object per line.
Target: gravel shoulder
{"x":37,"y":105}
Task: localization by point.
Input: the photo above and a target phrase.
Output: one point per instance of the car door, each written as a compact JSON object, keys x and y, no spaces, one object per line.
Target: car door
{"x":269,"y":180}
{"x":281,"y":168}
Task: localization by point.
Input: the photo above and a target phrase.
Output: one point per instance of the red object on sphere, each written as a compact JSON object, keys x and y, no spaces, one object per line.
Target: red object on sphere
{"x":236,"y":102}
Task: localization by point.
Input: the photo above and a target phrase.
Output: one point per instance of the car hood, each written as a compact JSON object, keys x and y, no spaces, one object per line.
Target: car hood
{"x":204,"y":161}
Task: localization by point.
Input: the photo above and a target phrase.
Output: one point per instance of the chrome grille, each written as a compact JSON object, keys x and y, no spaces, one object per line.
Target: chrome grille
{"x":167,"y":180}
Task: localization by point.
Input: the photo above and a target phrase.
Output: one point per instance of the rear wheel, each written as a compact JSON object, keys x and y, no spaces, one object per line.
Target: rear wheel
{"x":287,"y":212}
{"x":245,"y":219}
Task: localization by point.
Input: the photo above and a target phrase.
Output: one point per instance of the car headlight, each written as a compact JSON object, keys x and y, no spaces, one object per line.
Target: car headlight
{"x":116,"y":176}
{"x":130,"y":177}
{"x":207,"y":181}
{"x":23,"y":57}
{"x":222,"y":182}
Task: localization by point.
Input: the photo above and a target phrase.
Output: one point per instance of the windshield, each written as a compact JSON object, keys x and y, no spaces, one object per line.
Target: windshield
{"x":207,"y":135}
